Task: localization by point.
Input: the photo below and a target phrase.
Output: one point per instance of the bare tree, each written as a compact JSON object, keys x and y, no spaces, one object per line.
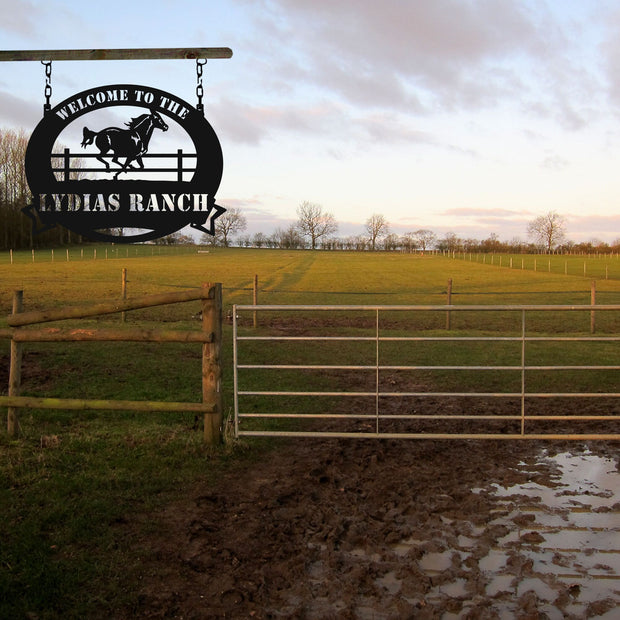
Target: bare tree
{"x":376,"y":226}
{"x":315,"y":223}
{"x":288,"y":239}
{"x":425,"y":238}
{"x":228,"y":224}
{"x":259,"y":240}
{"x":14,"y":193}
{"x":548,"y":230}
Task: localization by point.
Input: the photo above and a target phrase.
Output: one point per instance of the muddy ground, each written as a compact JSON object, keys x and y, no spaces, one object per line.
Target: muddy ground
{"x":348,"y":528}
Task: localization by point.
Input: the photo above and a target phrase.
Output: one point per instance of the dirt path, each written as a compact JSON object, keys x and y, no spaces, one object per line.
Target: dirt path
{"x":366,"y":529}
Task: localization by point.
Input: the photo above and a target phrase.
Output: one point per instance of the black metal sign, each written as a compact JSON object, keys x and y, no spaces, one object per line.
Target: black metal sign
{"x":131,"y":188}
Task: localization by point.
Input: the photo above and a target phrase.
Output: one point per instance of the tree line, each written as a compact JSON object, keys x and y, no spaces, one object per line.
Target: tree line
{"x":316,"y":229}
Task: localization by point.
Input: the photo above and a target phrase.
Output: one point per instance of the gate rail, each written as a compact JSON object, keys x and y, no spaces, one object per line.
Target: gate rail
{"x":378,"y":417}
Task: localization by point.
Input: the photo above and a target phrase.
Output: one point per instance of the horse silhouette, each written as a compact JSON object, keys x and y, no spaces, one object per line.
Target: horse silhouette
{"x":130,"y":143}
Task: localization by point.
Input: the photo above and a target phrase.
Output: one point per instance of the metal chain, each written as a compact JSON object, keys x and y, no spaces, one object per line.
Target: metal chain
{"x":48,"y":85}
{"x":200,"y":63}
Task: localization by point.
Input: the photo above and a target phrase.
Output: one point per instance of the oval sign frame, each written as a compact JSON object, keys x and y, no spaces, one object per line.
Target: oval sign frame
{"x":86,"y":206}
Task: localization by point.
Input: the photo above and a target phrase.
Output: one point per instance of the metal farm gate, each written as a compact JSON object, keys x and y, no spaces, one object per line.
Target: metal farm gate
{"x":486,"y":372}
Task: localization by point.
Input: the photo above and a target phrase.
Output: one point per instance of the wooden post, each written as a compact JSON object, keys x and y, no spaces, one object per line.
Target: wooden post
{"x":255,"y":300}
{"x":15,"y":369}
{"x":123,"y":290}
{"x":211,"y":367}
{"x":449,"y":303}
{"x":593,"y":303}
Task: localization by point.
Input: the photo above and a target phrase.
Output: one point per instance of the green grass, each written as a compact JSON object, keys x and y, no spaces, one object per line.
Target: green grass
{"x":77,"y":486}
{"x":296,"y":277}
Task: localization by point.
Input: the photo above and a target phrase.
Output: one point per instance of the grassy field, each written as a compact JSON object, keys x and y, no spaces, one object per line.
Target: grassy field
{"x":302,"y":277}
{"x":71,"y":479}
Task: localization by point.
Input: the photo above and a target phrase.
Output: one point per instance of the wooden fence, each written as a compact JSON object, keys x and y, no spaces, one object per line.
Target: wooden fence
{"x":210,"y":336}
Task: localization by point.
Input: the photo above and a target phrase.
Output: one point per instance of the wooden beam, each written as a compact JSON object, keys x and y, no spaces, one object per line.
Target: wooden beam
{"x":155,"y":53}
{"x":79,"y":404}
{"x":110,"y":307}
{"x":127,"y":334}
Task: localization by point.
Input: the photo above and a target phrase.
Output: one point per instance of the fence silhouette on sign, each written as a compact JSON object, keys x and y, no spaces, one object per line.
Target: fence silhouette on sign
{"x":65,"y":169}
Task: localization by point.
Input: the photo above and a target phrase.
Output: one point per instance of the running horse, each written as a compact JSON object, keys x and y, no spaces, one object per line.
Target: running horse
{"x":130,"y":143}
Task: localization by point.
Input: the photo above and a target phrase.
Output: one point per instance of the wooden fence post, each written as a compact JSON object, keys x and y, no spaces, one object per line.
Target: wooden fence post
{"x":255,"y":301}
{"x":123,"y":291}
{"x":449,"y":303}
{"x":211,"y":366}
{"x":15,"y":370}
{"x":593,"y":303}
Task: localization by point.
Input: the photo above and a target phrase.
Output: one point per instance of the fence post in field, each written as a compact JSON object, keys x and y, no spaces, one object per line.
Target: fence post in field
{"x":211,"y":367}
{"x":123,"y":291}
{"x":15,"y":370}
{"x":449,"y":303}
{"x":593,"y":303}
{"x":255,"y":301}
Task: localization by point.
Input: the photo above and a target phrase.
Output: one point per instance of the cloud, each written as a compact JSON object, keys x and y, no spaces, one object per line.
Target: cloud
{"x":423,"y":58}
{"x":478,"y":212}
{"x":555,"y":163}
{"x":19,"y":17}
{"x":251,"y":124}
{"x":19,"y":112}
{"x":587,"y":227}
{"x":405,"y":55}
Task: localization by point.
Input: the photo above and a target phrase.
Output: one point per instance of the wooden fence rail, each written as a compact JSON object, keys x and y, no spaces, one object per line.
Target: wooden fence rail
{"x":209,"y":336}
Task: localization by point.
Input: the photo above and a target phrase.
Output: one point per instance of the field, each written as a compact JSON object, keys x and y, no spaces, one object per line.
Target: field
{"x":127,"y":515}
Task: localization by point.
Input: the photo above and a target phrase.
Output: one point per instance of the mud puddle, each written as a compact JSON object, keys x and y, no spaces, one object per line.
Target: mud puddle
{"x":558,"y":551}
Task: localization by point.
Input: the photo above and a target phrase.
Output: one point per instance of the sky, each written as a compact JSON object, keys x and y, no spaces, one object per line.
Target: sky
{"x":470,"y":117}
